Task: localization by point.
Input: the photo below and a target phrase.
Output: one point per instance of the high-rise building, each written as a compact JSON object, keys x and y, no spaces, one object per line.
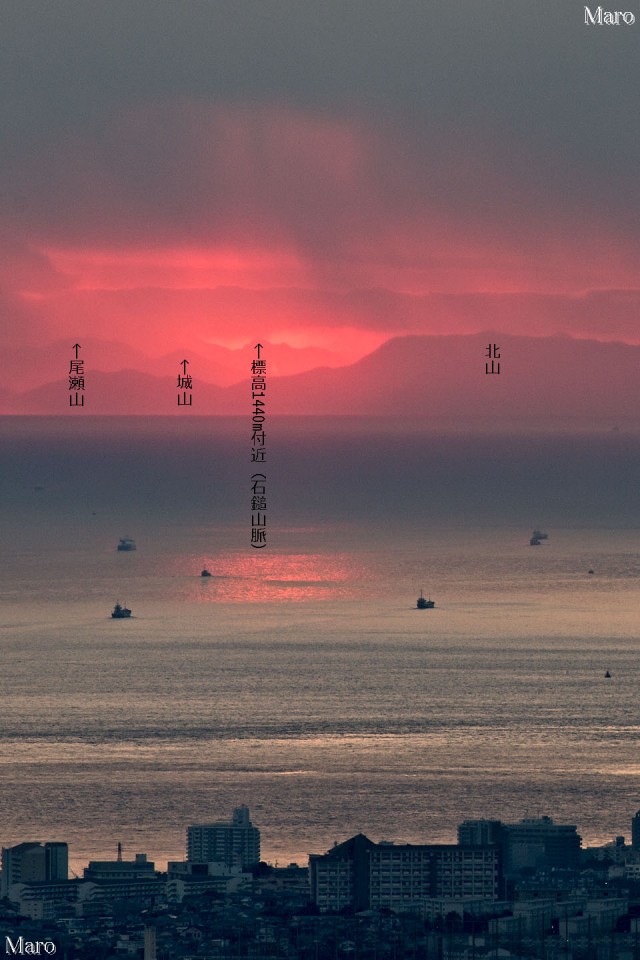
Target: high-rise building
{"x":340,"y":878}
{"x":235,"y":843}
{"x":57,"y":855}
{"x":535,"y":844}
{"x":33,"y":861}
{"x":363,"y":875}
{"x":479,"y":833}
{"x":635,"y":833}
{"x":541,"y":844}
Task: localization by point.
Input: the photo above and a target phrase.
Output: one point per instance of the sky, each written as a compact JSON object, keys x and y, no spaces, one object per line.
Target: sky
{"x":183,"y":176}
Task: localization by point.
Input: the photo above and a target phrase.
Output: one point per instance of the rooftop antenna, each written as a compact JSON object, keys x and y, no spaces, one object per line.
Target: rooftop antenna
{"x":119,"y":852}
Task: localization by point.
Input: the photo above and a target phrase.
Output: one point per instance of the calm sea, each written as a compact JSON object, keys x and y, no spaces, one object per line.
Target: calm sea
{"x":300,"y":679}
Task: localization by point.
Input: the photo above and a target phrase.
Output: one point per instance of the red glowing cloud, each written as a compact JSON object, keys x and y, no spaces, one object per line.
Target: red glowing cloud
{"x":183,"y":224}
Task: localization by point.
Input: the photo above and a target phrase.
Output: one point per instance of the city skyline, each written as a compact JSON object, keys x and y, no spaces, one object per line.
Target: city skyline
{"x":235,"y":842}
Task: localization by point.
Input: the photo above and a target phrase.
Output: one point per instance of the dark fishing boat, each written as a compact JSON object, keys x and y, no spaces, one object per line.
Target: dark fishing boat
{"x":424,"y":604}
{"x":120,"y":612}
{"x":126,"y":544}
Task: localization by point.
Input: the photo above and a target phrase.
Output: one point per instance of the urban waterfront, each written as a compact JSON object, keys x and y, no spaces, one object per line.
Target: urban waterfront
{"x":518,"y":890}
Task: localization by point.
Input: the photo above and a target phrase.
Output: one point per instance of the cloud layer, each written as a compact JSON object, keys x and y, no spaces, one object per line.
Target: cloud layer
{"x":326,"y":175}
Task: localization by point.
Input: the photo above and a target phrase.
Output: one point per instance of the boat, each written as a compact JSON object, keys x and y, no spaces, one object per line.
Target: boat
{"x":539,"y":535}
{"x":607,"y":675}
{"x":534,"y":542}
{"x":424,"y":604}
{"x":126,"y":544}
{"x":205,"y":573}
{"x":591,"y":571}
{"x":120,"y":612}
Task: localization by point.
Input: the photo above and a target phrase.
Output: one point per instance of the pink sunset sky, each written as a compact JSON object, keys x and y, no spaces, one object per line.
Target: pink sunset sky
{"x":189,"y":177}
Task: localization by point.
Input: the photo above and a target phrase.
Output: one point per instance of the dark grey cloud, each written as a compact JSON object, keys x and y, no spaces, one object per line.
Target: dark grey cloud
{"x":555,"y":99}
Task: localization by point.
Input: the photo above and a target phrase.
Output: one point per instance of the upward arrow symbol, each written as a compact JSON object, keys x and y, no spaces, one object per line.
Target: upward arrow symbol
{"x":76,"y":347}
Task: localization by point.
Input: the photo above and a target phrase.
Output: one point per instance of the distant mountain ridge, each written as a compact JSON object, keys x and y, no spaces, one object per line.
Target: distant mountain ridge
{"x":209,"y":362}
{"x":430,"y":377}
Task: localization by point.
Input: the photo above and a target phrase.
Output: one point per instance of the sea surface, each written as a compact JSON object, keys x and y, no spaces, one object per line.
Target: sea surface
{"x":301,"y":679}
